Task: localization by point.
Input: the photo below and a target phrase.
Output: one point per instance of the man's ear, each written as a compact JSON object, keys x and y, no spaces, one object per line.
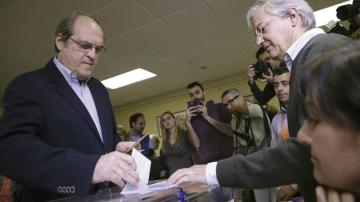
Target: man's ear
{"x":294,"y":17}
{"x":59,"y":42}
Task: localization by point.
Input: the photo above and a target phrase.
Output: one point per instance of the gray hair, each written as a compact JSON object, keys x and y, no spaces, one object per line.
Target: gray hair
{"x":280,"y":8}
{"x":231,"y":91}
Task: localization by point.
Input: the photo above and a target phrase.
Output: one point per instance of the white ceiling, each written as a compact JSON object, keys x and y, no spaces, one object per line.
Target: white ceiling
{"x":172,"y":38}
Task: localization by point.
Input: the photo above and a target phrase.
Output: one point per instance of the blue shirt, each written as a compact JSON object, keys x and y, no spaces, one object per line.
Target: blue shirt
{"x":146,"y":144}
{"x":279,"y":119}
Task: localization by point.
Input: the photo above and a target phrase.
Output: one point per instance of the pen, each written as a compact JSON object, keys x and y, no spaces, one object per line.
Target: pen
{"x":137,"y":143}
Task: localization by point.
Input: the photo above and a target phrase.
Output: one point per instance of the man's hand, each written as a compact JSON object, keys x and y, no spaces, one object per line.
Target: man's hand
{"x":116,"y":167}
{"x":285,"y":193}
{"x":331,"y":195}
{"x":190,"y":112}
{"x":196,"y":173}
{"x":192,"y":135}
{"x":269,"y":78}
{"x":124,"y":147}
{"x":251,"y":74}
{"x":203,"y":109}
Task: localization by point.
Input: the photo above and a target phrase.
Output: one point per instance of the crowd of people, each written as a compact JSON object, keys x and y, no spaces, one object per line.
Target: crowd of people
{"x":307,"y":151}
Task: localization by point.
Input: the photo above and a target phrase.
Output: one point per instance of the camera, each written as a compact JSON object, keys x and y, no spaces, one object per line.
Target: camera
{"x":348,"y":11}
{"x":261,"y":67}
{"x":194,"y":103}
{"x":337,"y":27}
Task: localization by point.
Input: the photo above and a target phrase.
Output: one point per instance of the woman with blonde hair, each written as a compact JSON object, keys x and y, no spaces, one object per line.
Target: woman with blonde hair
{"x":177,"y":149}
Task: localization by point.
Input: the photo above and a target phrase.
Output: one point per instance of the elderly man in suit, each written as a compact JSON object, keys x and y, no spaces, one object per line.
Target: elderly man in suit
{"x":285,"y":28}
{"x":58,"y":132}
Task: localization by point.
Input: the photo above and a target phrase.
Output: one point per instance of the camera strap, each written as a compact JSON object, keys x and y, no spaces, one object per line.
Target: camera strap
{"x":245,"y":132}
{"x":267,"y":139}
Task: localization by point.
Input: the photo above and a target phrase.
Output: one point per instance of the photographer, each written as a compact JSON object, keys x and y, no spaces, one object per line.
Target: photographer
{"x":208,"y":125}
{"x":251,"y":127}
{"x":262,"y":70}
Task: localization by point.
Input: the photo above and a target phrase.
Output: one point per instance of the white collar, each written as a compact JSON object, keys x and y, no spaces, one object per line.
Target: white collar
{"x":299,"y":44}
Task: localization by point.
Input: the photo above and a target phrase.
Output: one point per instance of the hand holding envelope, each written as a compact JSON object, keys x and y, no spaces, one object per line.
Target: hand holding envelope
{"x":116,"y":167}
{"x":143,"y":170}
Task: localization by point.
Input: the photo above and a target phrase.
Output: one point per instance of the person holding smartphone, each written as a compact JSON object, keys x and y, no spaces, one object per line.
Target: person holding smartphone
{"x":209,"y":127}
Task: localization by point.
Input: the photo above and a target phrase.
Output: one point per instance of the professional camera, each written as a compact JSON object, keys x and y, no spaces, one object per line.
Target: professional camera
{"x":261,"y":67}
{"x":348,"y":11}
{"x":337,"y":27}
{"x":195,"y":103}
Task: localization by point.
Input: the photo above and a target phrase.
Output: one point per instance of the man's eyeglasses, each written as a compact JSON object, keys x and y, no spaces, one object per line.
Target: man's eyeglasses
{"x":260,"y":29}
{"x":231,"y":100}
{"x":86,"y":46}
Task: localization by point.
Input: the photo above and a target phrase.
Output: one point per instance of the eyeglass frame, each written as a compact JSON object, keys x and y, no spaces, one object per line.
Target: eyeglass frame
{"x":87,"y":46}
{"x":259,"y":30}
{"x":232,"y":100}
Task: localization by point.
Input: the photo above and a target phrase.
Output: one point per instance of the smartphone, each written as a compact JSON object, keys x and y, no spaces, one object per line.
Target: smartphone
{"x":195,"y":102}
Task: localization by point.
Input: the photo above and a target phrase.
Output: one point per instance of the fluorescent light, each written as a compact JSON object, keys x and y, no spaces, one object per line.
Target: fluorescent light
{"x":127,"y":78}
{"x":325,"y":15}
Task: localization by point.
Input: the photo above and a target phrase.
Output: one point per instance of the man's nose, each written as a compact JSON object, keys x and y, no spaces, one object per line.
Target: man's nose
{"x":92,"y":53}
{"x":280,"y":88}
{"x":259,"y":41}
{"x":228,"y":107}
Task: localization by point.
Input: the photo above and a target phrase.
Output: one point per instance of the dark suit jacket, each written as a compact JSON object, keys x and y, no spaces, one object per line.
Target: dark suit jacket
{"x":289,"y":162}
{"x":48,"y":139}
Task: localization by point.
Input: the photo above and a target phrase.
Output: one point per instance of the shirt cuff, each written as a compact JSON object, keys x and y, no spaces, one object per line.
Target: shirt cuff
{"x":211,"y":174}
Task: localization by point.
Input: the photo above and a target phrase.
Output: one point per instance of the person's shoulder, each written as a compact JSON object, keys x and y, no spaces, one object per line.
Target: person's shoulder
{"x":328,"y":40}
{"x":213,"y":103}
{"x":254,"y":109}
{"x":319,"y":44}
{"x":33,"y":75}
{"x":332,"y":36}
{"x":217,"y":105}
{"x":210,"y":102}
{"x":254,"y":106}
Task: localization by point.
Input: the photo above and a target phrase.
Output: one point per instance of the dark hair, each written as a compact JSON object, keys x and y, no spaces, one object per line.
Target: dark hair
{"x":193,"y":84}
{"x":331,"y":84}
{"x":134,"y":117}
{"x":66,"y":26}
{"x":281,"y":69}
{"x":260,"y":51}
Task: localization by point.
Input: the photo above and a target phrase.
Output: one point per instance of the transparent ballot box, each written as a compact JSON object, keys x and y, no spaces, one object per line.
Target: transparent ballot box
{"x":187,"y":192}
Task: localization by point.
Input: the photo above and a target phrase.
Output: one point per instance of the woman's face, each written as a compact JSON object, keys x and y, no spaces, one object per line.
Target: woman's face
{"x":167,"y":121}
{"x":334,"y":152}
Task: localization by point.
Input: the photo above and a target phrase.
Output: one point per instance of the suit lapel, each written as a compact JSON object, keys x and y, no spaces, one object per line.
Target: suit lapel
{"x":102,"y":112}
{"x":64,"y":89}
